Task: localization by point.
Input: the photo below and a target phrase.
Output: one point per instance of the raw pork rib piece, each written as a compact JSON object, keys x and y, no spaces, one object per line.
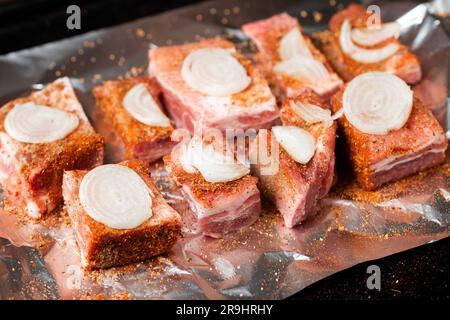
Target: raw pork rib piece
{"x":403,"y":63}
{"x":295,"y":188}
{"x":267,"y":35}
{"x":377,"y":159}
{"x":140,"y":141}
{"x":105,"y":247}
{"x":31,"y":174}
{"x":254,"y":107}
{"x":220,"y":207}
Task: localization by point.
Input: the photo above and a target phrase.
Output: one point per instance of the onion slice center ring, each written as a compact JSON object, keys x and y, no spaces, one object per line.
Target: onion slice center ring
{"x":377,"y":102}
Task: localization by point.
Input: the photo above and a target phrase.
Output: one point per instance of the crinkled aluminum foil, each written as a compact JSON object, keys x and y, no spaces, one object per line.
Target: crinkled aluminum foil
{"x":266,"y":260}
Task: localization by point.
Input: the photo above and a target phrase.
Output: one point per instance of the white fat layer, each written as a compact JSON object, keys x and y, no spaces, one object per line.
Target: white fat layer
{"x":231,"y":205}
{"x":392,"y":161}
{"x":33,"y":210}
{"x":225,"y":109}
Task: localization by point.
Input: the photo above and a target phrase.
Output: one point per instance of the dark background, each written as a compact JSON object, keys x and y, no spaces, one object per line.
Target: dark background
{"x":421,"y":273}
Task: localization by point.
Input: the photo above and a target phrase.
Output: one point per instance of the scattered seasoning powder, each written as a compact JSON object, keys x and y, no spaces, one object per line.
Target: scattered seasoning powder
{"x":121,"y":61}
{"x":97,"y":77}
{"x":89,"y":44}
{"x":317,"y":16}
{"x":140,"y":32}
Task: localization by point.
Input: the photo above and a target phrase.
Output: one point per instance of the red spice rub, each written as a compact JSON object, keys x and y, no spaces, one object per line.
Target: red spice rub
{"x":104,"y":247}
{"x":31,"y":174}
{"x":254,"y":107}
{"x":218,"y":207}
{"x":141,"y":141}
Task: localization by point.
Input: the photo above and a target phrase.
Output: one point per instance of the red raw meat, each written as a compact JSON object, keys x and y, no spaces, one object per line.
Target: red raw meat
{"x":377,"y":159}
{"x":31,"y":174}
{"x":254,"y":107}
{"x":403,"y":63}
{"x":219,"y":208}
{"x":267,"y":35}
{"x":141,"y":141}
{"x":105,"y":247}
{"x":296,"y":188}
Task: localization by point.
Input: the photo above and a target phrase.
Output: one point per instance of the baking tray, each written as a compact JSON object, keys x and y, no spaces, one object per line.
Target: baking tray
{"x":266,"y":260}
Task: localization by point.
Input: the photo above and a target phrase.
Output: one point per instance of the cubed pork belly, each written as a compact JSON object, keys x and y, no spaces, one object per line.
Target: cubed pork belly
{"x":31,"y":173}
{"x":377,"y":159}
{"x":148,"y":142}
{"x":102,"y":246}
{"x":402,"y":63}
{"x":267,"y":34}
{"x":295,"y":188}
{"x":254,"y":107}
{"x":218,"y":207}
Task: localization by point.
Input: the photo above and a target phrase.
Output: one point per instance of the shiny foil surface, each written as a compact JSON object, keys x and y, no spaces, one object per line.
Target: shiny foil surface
{"x":265,"y":260}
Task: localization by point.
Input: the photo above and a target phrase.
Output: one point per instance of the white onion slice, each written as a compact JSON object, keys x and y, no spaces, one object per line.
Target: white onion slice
{"x":297,"y":142}
{"x":373,"y":36}
{"x":140,"y":105}
{"x":116,"y":196}
{"x":377,"y":102}
{"x":311,"y":71}
{"x":213,"y":165}
{"x":214,"y":72}
{"x":360,"y":54}
{"x":293,"y":45}
{"x":33,"y":123}
{"x":313,"y":114}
